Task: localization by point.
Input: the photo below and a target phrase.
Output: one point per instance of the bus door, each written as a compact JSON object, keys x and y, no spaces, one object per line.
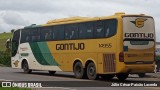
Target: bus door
{"x":138,"y":39}
{"x":15,"y":57}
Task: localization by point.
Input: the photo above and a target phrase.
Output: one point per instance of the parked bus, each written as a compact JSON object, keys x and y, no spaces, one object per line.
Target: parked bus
{"x":120,"y":45}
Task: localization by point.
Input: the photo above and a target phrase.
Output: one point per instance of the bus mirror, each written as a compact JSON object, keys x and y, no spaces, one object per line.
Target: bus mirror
{"x":8,"y":44}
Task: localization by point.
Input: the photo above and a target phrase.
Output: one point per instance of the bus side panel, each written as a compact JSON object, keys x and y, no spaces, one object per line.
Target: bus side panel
{"x":66,"y":60}
{"x":37,"y":56}
{"x":66,"y":52}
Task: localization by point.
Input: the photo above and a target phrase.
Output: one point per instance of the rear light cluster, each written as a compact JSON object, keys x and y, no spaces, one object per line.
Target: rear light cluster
{"x":121,"y":57}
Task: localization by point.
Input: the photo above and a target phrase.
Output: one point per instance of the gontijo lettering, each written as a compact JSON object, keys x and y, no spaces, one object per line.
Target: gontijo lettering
{"x":70,"y":46}
{"x":139,"y":35}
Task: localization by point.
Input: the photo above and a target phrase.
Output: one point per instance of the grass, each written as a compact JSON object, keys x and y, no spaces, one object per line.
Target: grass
{"x":3,"y":38}
{"x":4,"y":53}
{"x":5,"y":35}
{"x":5,"y":59}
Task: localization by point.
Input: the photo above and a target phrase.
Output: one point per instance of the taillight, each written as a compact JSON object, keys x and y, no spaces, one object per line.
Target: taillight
{"x":121,"y":57}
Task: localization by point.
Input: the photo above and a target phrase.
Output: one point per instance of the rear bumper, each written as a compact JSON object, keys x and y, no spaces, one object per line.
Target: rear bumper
{"x":140,"y":68}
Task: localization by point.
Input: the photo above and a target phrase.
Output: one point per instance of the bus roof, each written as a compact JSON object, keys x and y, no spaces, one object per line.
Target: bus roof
{"x":81,"y":19}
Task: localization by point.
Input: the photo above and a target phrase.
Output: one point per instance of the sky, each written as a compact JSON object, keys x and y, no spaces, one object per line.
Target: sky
{"x":19,"y":13}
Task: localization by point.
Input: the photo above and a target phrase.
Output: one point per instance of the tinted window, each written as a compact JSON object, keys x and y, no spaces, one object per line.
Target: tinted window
{"x":110,"y":27}
{"x":25,"y":36}
{"x":98,"y":29}
{"x":35,"y":35}
{"x":58,"y":32}
{"x":30,"y":35}
{"x":71,"y":31}
{"x":46,"y":33}
{"x":86,"y":30}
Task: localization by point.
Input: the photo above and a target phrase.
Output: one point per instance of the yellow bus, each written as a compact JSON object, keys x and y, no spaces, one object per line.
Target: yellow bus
{"x":105,"y":47}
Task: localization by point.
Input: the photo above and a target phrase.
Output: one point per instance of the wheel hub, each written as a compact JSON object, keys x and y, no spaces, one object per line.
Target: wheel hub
{"x":25,"y":66}
{"x":91,"y":71}
{"x":78,"y":69}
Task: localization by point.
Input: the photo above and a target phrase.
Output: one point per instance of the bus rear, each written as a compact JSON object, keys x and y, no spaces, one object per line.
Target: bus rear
{"x":138,"y":44}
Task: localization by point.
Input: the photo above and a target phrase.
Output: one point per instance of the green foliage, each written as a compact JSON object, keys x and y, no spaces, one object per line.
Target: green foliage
{"x":3,"y":38}
{"x":5,"y":59}
{"x":158,"y":58}
{"x":5,"y":35}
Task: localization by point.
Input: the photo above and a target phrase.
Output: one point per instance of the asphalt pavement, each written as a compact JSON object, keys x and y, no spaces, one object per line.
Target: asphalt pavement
{"x":67,"y":78}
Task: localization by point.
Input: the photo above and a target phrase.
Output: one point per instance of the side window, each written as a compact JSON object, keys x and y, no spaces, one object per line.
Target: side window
{"x":98,"y":29}
{"x":46,"y":33}
{"x":86,"y":30}
{"x":110,"y":27}
{"x":71,"y":31}
{"x":35,"y":34}
{"x":25,"y":36}
{"x":58,"y":32}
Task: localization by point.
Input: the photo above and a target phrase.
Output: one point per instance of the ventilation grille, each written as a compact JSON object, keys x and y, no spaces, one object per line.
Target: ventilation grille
{"x":109,"y":63}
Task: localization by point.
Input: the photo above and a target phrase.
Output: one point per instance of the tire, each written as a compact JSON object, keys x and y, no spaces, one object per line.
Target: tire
{"x":141,"y":75}
{"x":107,"y":77}
{"x":79,"y":71}
{"x":26,"y":67}
{"x":52,"y":72}
{"x":122,"y":76}
{"x":91,"y":71}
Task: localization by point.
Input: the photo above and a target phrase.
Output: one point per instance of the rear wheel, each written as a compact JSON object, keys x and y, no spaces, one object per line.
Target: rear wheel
{"x":141,"y":75}
{"x":26,"y":67}
{"x":79,"y":71}
{"x":91,"y":71}
{"x":107,"y":77}
{"x":122,"y":76}
{"x":52,"y":72}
